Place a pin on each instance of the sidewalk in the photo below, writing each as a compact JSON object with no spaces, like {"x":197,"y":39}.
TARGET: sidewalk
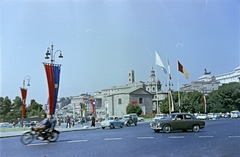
{"x":62,"y":128}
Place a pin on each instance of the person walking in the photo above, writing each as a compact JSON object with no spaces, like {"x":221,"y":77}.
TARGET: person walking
{"x":93,"y":121}
{"x":73,"y":123}
{"x":81,"y":122}
{"x":68,"y":125}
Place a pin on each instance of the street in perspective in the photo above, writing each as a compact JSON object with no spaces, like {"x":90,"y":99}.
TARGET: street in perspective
{"x":120,"y":78}
{"x":220,"y":138}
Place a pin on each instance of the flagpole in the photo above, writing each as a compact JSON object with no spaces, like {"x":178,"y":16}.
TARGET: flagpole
{"x":168,"y":85}
{"x":156,"y":90}
{"x":179,"y":105}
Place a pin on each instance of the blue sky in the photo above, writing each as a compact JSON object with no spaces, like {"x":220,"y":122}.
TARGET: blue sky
{"x":102,"y":39}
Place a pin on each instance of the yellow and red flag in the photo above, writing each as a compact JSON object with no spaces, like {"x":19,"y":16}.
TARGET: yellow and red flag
{"x":182,"y":70}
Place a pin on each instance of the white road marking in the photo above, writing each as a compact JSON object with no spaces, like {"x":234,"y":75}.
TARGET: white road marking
{"x":144,"y":137}
{"x":205,"y":136}
{"x":77,"y":141}
{"x":37,"y":144}
{"x":109,"y":139}
{"x":234,"y":136}
{"x":176,"y":137}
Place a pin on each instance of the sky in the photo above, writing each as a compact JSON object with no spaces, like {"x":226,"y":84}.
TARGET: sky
{"x":101,"y":40}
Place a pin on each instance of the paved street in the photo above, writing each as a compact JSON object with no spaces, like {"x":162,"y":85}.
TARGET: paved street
{"x":221,"y":138}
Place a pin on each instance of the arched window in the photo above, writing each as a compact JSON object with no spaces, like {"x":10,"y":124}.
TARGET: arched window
{"x":119,"y":101}
{"x":140,"y":100}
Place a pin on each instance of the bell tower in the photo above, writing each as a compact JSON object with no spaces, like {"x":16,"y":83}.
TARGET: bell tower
{"x":131,"y":78}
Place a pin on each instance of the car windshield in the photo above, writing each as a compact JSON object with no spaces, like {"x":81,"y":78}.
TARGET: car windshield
{"x":110,"y":118}
{"x":171,"y":116}
{"x":160,"y":115}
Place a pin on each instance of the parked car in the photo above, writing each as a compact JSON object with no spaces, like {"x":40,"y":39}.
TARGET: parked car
{"x":112,"y":122}
{"x":140,"y":119}
{"x":235,"y":114}
{"x":130,"y":119}
{"x":214,"y":116}
{"x":6,"y":125}
{"x":178,"y":121}
{"x":159,"y":117}
{"x":202,"y":116}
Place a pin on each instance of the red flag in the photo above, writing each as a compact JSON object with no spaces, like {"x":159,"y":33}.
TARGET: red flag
{"x":182,"y":70}
{"x":24,"y":96}
{"x":50,"y":80}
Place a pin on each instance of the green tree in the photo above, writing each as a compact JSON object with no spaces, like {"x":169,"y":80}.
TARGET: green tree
{"x":5,"y":109}
{"x":225,"y":99}
{"x":34,"y":109}
{"x":133,"y":109}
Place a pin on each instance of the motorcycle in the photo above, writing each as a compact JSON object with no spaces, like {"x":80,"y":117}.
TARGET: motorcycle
{"x":28,"y":136}
{"x":130,"y":121}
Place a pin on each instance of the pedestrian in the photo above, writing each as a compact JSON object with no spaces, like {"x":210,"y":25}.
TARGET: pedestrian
{"x":68,"y":125}
{"x":93,"y":121}
{"x":81,"y":122}
{"x":73,"y":123}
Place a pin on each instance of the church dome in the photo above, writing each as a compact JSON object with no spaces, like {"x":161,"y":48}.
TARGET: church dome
{"x":152,"y":79}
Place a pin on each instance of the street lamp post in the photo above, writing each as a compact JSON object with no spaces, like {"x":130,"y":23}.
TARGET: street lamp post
{"x":24,"y":96}
{"x":28,"y":78}
{"x":52,"y":55}
{"x":53,"y":77}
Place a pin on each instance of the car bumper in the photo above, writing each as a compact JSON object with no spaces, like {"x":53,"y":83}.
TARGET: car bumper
{"x":155,"y":126}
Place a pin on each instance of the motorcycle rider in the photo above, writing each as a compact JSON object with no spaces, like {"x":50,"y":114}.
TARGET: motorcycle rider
{"x":43,"y":125}
{"x":53,"y":122}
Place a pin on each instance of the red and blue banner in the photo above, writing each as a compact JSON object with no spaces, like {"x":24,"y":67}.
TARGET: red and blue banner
{"x":53,"y":78}
{"x":24,"y":96}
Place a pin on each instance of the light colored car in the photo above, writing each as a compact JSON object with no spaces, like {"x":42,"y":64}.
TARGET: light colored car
{"x":235,"y":114}
{"x":112,"y":122}
{"x":202,"y":116}
{"x":159,"y":117}
{"x":6,"y":125}
{"x":140,"y":119}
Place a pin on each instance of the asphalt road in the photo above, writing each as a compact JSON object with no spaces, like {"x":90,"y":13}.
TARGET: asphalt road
{"x":221,"y":138}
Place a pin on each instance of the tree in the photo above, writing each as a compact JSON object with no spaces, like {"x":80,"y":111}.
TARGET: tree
{"x":34,"y":110}
{"x":225,"y":99}
{"x":5,"y":108}
{"x":133,"y":109}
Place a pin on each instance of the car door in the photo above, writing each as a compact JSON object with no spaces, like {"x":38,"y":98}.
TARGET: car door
{"x":178,"y":123}
{"x":188,"y":121}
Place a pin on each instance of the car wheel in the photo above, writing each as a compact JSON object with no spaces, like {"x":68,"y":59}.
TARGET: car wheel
{"x":155,"y":130}
{"x":111,"y":126}
{"x":195,"y":128}
{"x":103,"y":127}
{"x":167,"y":128}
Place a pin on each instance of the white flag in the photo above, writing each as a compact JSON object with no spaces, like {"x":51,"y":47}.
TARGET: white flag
{"x":160,"y":63}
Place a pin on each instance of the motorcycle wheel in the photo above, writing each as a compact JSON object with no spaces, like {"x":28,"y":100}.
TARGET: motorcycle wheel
{"x":54,"y":137}
{"x":26,"y":138}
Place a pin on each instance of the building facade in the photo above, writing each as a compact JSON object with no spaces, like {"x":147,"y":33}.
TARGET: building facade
{"x":208,"y":83}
